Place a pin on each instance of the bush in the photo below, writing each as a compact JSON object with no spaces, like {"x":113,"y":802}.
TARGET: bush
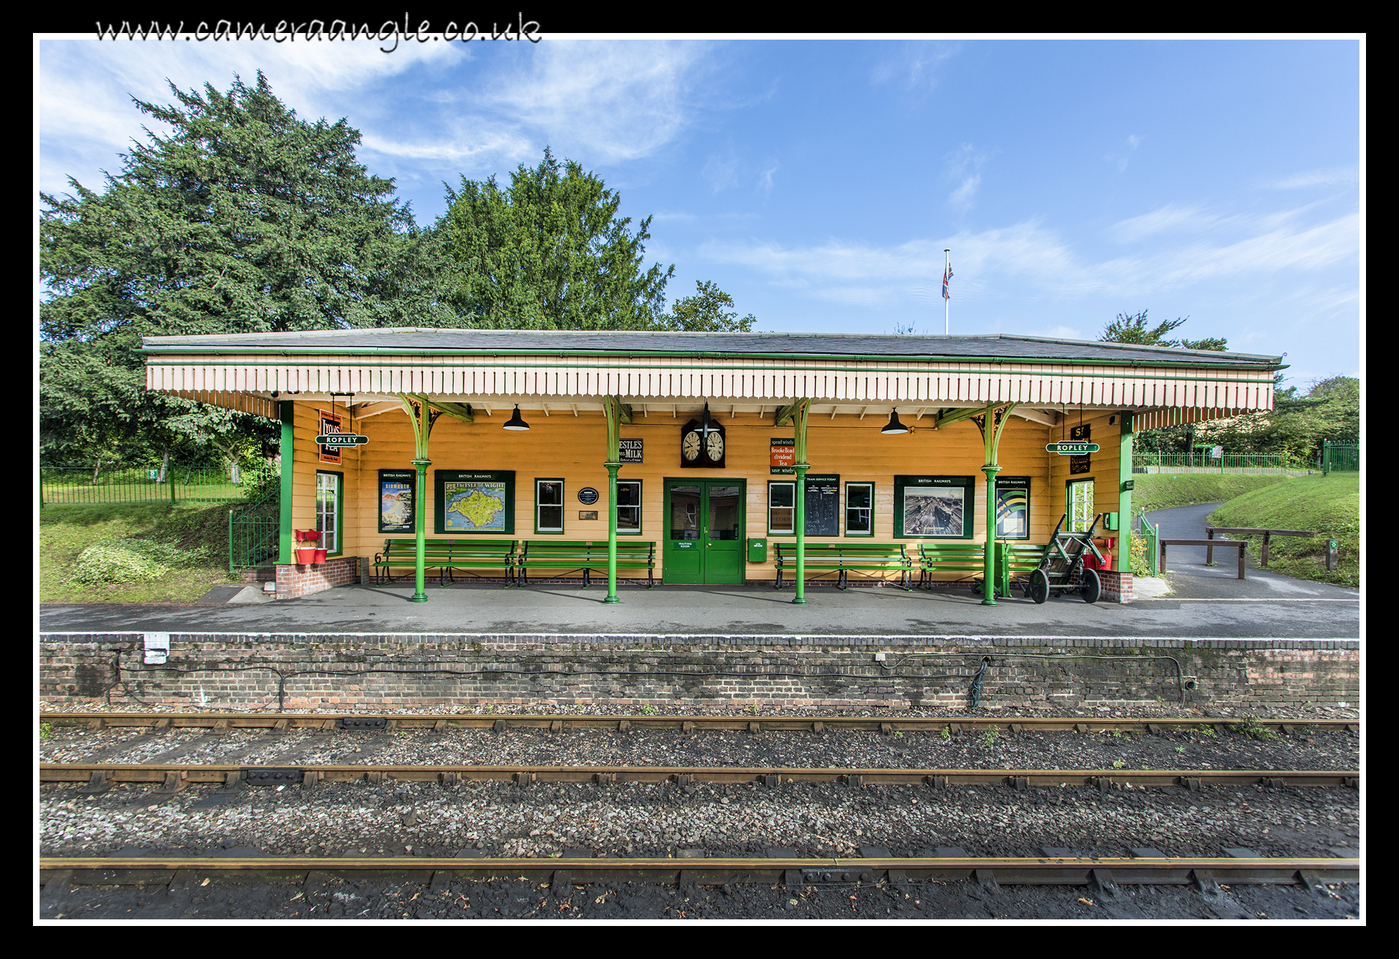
{"x":126,"y":561}
{"x":1137,"y":555}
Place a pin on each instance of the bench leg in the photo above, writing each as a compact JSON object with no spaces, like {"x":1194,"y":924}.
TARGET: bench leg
{"x":779,"y":578}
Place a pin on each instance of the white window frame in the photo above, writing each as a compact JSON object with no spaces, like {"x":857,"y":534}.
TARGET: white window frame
{"x":330,"y":535}
{"x":540,"y":506}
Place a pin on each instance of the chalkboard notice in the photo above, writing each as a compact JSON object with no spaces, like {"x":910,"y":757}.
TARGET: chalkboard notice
{"x":822,"y":505}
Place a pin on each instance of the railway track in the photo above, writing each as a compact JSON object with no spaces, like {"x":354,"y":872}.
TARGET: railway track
{"x":948,"y":865}
{"x":223,"y":721}
{"x":171,"y":777}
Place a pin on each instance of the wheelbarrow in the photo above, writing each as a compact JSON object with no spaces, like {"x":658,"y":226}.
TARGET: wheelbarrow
{"x":1063,"y":559}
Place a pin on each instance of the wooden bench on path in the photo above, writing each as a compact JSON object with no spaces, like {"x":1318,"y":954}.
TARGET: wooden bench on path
{"x":1267,"y":534}
{"x":587,"y":556}
{"x":1207,"y":543}
{"x":868,"y":559}
{"x":447,"y":555}
{"x":950,"y":558}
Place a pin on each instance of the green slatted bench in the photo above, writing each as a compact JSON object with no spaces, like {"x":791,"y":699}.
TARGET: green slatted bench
{"x":868,"y":559}
{"x":1014,"y":564}
{"x":949,"y":558}
{"x":446,"y":556}
{"x":587,"y":556}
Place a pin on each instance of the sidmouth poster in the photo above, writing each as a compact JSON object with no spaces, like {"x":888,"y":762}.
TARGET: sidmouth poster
{"x":397,"y":502}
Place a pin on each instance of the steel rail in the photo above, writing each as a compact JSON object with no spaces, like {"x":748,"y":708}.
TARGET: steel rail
{"x":173,"y":775}
{"x":1002,"y":870}
{"x":756,"y":723}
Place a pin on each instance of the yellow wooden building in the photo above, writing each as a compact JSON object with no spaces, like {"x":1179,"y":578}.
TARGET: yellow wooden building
{"x":703,"y":444}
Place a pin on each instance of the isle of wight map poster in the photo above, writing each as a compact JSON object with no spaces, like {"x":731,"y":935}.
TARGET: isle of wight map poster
{"x":475,"y":502}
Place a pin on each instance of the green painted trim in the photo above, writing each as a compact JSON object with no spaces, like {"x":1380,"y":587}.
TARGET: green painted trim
{"x":287,"y":412}
{"x":1122,"y":562}
{"x":845,"y":524}
{"x":640,"y":508}
{"x":967,"y":483}
{"x":407,"y":360}
{"x":563,"y":492}
{"x":339,"y":508}
{"x":289,"y":355}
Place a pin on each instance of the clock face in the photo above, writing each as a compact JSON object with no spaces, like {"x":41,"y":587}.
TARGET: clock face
{"x":690,"y":446}
{"x":715,"y":447}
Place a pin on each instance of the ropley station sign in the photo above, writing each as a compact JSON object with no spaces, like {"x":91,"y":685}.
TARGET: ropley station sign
{"x":1071,"y":448}
{"x":341,"y":439}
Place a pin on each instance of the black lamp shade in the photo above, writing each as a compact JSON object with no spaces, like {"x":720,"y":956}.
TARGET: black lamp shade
{"x":516,"y":423}
{"x":894,"y":426}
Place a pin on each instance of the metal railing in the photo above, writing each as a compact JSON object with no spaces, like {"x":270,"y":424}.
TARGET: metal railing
{"x":1151,"y":535}
{"x":254,"y":533}
{"x":1202,"y":460}
{"x":1340,"y":457}
{"x":64,"y":485}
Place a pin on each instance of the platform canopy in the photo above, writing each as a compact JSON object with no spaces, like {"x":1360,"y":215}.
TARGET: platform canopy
{"x":917,"y":376}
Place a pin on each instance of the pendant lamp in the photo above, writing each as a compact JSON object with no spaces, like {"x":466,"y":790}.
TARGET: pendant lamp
{"x":515,"y":422}
{"x":894,"y":426}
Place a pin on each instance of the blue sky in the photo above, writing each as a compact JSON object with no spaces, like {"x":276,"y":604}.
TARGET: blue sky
{"x":818,"y":181}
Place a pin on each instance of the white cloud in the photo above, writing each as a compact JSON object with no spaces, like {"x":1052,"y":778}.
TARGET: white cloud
{"x":1120,"y":159}
{"x":1335,"y":176}
{"x":914,"y":64}
{"x":606,"y":100}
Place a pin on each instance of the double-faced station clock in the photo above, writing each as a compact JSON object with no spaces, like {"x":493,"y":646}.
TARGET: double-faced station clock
{"x":702,"y":443}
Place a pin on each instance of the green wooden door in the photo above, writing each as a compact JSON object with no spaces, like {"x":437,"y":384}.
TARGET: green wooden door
{"x":704,"y":531}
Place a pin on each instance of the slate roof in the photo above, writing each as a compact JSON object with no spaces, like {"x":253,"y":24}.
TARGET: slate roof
{"x":986,"y":347}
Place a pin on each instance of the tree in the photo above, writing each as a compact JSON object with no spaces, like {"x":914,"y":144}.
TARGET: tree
{"x":1133,"y":329}
{"x":708,"y":311}
{"x":549,"y":252}
{"x":243,"y":218}
{"x":1297,"y":425}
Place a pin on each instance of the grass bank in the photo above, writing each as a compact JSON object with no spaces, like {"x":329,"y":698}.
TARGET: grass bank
{"x":1168,"y":490}
{"x":185,"y":549}
{"x":1329,"y":505}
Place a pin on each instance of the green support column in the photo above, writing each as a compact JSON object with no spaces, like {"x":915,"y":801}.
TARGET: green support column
{"x":612,"y":533}
{"x":991,"y":423}
{"x":420,"y":507}
{"x":422,"y":416}
{"x":287,"y":412}
{"x":616,"y":413}
{"x":797,"y":413}
{"x":988,"y":590}
{"x":802,"y":467}
{"x":1122,"y":562}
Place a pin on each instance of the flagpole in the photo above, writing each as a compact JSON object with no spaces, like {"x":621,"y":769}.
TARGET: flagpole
{"x":946,"y":300}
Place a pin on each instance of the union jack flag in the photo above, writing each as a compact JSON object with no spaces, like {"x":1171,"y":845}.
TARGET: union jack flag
{"x":945,"y":277}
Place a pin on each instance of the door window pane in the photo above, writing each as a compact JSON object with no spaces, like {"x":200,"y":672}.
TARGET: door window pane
{"x":723,"y":512}
{"x":684,"y":512}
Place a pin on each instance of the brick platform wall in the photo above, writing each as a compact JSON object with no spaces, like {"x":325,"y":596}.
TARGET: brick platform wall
{"x":1117,"y":587}
{"x":355,"y":672}
{"x":294,"y":580}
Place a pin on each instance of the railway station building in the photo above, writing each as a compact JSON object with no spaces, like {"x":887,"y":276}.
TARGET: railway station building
{"x":732,"y":456}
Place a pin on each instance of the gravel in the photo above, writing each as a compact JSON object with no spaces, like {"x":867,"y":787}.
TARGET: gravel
{"x":657,"y":820}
